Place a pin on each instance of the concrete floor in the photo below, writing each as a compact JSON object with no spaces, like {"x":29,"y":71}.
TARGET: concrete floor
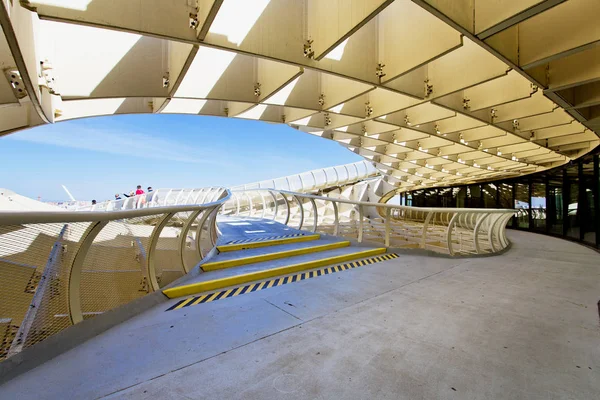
{"x":522,"y":325}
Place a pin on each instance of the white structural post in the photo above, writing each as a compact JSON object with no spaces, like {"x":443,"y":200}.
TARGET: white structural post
{"x":151,"y":271}
{"x":264,"y":204}
{"x":276,"y":206}
{"x":480,"y":221}
{"x":449,"y":232}
{"x":425,"y":224}
{"x":250,"y":204}
{"x":212,"y":228}
{"x":315,"y":216}
{"x":167,"y":197}
{"x":205,"y":214}
{"x":183,"y":238}
{"x":237,"y":204}
{"x":195,"y":201}
{"x":301,"y":212}
{"x":388,"y":211}
{"x":360,"y":223}
{"x":287,"y":206}
{"x":336,"y":218}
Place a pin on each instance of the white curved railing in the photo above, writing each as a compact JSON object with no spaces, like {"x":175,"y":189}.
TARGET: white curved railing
{"x":314,"y":180}
{"x":323,"y":178}
{"x":60,"y":267}
{"x":454,"y":231}
{"x":158,"y":198}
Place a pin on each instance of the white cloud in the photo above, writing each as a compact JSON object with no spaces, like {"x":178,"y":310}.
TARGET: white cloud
{"x":119,"y":142}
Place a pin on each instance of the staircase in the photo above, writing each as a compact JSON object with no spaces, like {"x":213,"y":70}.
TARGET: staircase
{"x":253,"y":250}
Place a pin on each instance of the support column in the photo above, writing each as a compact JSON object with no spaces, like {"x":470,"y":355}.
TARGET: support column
{"x":530,"y":211}
{"x":566,"y":189}
{"x":547,"y":186}
{"x":596,"y":193}
{"x":582,"y":206}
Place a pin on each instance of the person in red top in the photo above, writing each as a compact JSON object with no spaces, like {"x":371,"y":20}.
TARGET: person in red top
{"x":141,"y":200}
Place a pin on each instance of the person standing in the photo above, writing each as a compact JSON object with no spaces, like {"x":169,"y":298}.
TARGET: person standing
{"x":141,"y":199}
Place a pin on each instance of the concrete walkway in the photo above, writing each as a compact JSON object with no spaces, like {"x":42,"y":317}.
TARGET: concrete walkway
{"x":522,"y":325}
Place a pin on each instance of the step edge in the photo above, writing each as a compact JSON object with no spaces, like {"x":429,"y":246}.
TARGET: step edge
{"x":266,"y":243}
{"x":236,"y":262}
{"x":199,"y":287}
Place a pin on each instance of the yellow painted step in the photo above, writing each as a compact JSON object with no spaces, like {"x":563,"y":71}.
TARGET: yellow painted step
{"x":266,"y":243}
{"x":199,"y":287}
{"x":236,"y":262}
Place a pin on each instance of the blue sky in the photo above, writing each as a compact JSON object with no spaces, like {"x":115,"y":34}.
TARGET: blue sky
{"x":98,"y":157}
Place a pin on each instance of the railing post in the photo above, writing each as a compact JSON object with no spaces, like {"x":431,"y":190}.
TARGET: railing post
{"x":201,"y":223}
{"x":502,"y":231}
{"x":449,"y":233}
{"x":183,"y":236}
{"x":250,"y":205}
{"x":287,"y":205}
{"x":425,"y":223}
{"x":301,"y":212}
{"x":213,"y":226}
{"x":264,"y":204}
{"x":178,"y":196}
{"x":74,"y":287}
{"x":237,"y":204}
{"x":388,"y":212}
{"x":206,"y":193}
{"x":166,"y":197}
{"x":360,"y":223}
{"x":276,"y":206}
{"x":315,"y":217}
{"x":195,"y":201}
{"x":476,"y":232}
{"x":336,"y":219}
{"x":491,"y":232}
{"x":151,"y":271}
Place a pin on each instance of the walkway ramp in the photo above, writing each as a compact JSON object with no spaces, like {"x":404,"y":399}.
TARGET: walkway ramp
{"x":252,"y":250}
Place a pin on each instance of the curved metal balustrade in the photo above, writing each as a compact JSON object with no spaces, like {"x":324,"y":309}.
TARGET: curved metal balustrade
{"x":453,"y":231}
{"x":58,"y":268}
{"x":159,"y":198}
{"x":323,"y":178}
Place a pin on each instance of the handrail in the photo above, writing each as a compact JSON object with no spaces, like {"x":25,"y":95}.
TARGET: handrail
{"x":149,"y":200}
{"x":383,"y":205}
{"x":91,"y":262}
{"x":434,"y":228}
{"x":42,"y":217}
